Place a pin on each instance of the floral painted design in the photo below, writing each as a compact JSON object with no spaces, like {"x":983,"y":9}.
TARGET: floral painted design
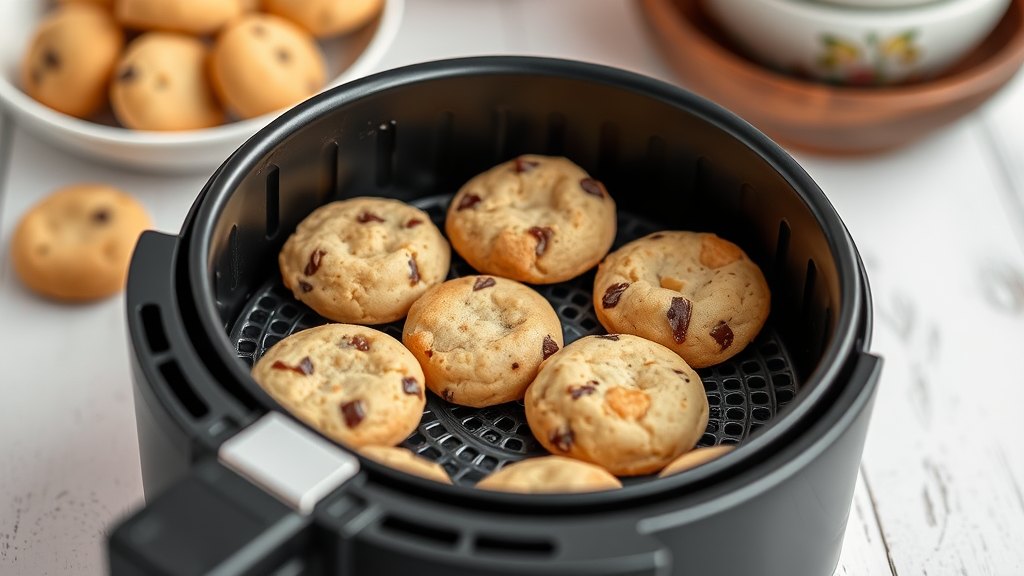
{"x":872,"y":62}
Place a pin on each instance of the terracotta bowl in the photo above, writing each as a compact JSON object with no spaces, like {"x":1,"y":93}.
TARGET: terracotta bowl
{"x":823,"y":118}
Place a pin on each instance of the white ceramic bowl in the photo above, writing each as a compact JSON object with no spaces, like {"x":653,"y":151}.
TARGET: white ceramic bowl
{"x":857,"y":46}
{"x":348,"y":58}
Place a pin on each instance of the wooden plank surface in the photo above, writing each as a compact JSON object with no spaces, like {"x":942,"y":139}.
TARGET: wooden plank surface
{"x":940,"y":224}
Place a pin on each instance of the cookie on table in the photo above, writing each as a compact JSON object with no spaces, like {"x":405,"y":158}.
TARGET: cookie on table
{"x":77,"y":243}
{"x":325,"y":18}
{"x":405,"y":461}
{"x":353,"y":384}
{"x":624,"y":403}
{"x":550,"y":475}
{"x":696,"y":293}
{"x":481,"y":339}
{"x":535,"y":219}
{"x":161,"y":84}
{"x":262,"y":63}
{"x":71,"y":57}
{"x":694,"y":458}
{"x":186,"y":16}
{"x":364,"y":260}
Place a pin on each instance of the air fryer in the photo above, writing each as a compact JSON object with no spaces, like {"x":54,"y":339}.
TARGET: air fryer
{"x":205,"y":304}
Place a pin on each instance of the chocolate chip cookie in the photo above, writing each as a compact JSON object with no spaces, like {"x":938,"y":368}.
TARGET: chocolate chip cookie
{"x":695,"y":293}
{"x":77,"y":243}
{"x":262,"y":63}
{"x":550,"y":475}
{"x":364,"y":260}
{"x":405,"y":461}
{"x":534,"y":219}
{"x":481,"y":339}
{"x":694,"y":458}
{"x":161,"y":84}
{"x":71,"y":58}
{"x":353,"y":384}
{"x":624,"y":403}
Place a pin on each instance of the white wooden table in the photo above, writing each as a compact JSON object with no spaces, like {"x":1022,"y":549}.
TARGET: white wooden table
{"x":940,"y":226}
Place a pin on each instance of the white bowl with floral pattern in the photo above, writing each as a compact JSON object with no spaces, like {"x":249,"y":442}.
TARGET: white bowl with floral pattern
{"x":857,"y":46}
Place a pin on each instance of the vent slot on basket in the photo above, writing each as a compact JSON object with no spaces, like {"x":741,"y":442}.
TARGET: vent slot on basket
{"x":153,"y":326}
{"x":493,"y":545}
{"x":420,"y":531}
{"x":273,"y":201}
{"x":387,"y":138}
{"x":556,"y":134}
{"x":182,"y":389}
{"x":329,"y":165}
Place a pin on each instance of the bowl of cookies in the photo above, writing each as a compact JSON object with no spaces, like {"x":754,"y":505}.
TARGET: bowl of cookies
{"x":535,"y":316}
{"x":177,"y":85}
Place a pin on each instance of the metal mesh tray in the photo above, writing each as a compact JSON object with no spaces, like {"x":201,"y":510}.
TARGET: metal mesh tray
{"x":744,"y":392}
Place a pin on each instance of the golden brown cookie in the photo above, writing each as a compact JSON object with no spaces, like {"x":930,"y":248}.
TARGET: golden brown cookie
{"x":77,"y":243}
{"x":696,"y":293}
{"x":71,"y":58}
{"x":324,"y":18}
{"x":353,"y":384}
{"x":624,"y":403}
{"x":534,"y":219}
{"x":481,"y":339}
{"x":694,"y":458}
{"x":161,"y":84}
{"x":405,"y":461}
{"x":185,"y":16}
{"x":262,"y":63}
{"x":364,"y":260}
{"x":550,"y":475}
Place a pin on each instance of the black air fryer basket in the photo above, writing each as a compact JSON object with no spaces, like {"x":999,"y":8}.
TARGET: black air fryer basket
{"x":204,"y":305}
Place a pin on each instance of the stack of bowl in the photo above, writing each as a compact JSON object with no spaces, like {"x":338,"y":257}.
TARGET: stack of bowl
{"x":843,"y":76}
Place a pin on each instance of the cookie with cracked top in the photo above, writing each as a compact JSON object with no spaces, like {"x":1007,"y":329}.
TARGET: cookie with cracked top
{"x":404,"y":460}
{"x":77,"y":243}
{"x":364,"y":260}
{"x":535,"y":219}
{"x":355,"y":385}
{"x":481,"y":339}
{"x":619,"y":401}
{"x":693,"y":292}
{"x":550,"y":475}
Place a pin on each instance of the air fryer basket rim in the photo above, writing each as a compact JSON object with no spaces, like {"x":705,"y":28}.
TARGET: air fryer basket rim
{"x":851,"y":330}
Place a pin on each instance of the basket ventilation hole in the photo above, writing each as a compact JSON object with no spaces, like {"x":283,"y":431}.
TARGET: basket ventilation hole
{"x":809,"y":281}
{"x":500,"y":123}
{"x":273,"y":201}
{"x":236,"y":258}
{"x":420,"y":531}
{"x":556,"y":134}
{"x":781,"y":252}
{"x":153,"y":326}
{"x":182,"y":389}
{"x":387,"y":136}
{"x":329,"y":163}
{"x":607,"y":149}
{"x":492,"y":545}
